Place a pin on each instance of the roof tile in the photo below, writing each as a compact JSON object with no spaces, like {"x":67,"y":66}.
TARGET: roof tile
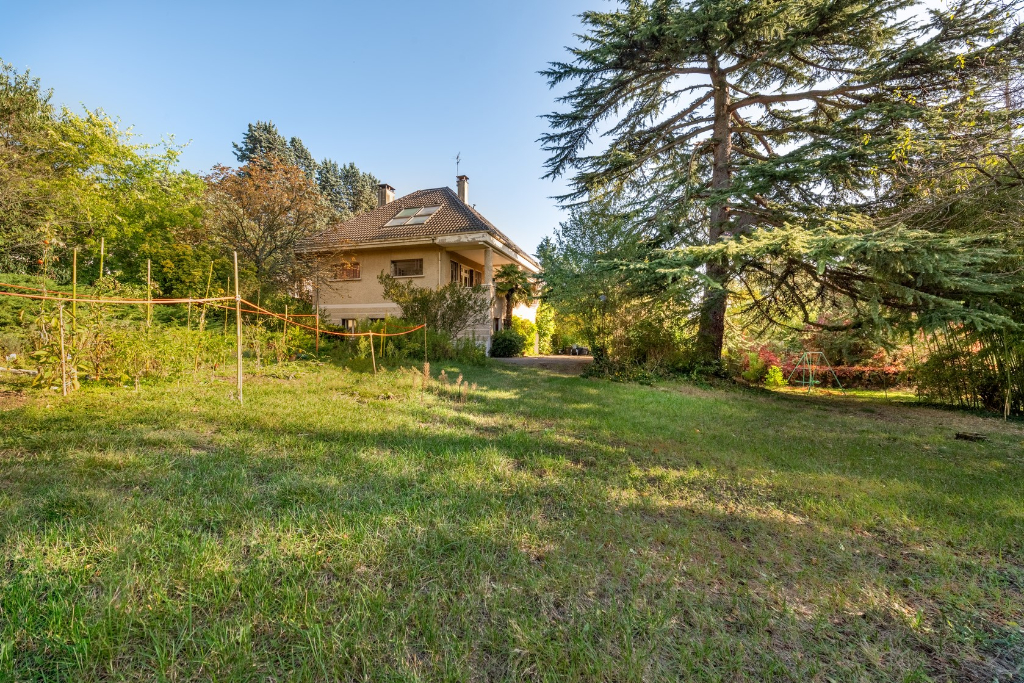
{"x":454,"y":216}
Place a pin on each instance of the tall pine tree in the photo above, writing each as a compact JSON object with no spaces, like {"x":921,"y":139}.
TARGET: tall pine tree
{"x":346,"y":189}
{"x":262,"y":139}
{"x":726,"y":118}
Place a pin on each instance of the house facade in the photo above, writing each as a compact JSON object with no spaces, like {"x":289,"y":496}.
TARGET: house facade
{"x":430,"y":237}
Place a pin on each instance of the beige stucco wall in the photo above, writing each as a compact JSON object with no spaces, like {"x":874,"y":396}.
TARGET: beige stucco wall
{"x":364,"y":298}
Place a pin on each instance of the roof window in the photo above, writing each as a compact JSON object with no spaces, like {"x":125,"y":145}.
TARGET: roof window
{"x":417,"y":215}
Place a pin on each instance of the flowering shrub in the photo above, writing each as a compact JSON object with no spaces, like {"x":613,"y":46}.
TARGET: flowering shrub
{"x":855,"y":376}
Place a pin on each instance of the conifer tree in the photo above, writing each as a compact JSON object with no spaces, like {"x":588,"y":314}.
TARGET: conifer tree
{"x":346,"y":189}
{"x":732,"y":118}
{"x":262,"y":139}
{"x":303,"y":158}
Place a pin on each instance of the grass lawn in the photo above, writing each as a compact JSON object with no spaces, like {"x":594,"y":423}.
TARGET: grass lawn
{"x":346,"y":527}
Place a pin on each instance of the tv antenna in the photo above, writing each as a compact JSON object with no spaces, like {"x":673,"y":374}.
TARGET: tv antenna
{"x":458,"y":160}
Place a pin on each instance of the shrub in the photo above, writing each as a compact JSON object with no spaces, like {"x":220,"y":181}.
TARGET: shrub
{"x":449,"y":309}
{"x":508,"y":343}
{"x":545,"y":328}
{"x":774,"y":379}
{"x":525,"y":328}
{"x":757,"y":369}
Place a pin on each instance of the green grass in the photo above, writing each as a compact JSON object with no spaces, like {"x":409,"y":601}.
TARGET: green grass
{"x":346,"y":527}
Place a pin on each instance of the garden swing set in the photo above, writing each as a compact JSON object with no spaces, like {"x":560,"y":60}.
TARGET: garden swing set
{"x":810,"y":371}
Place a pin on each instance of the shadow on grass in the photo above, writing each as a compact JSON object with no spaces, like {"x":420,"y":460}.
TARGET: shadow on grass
{"x":549,"y":527}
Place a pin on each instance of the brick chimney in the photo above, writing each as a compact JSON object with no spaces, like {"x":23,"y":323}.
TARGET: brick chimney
{"x":463,"y":188}
{"x":385,"y":194}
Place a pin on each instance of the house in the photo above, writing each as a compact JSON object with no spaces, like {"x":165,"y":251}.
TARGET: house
{"x":431,"y":237}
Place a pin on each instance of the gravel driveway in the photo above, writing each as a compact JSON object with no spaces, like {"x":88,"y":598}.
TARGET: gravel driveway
{"x":562,"y":365}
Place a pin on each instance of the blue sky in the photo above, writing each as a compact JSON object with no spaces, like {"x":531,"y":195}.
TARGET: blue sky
{"x":399,"y":87}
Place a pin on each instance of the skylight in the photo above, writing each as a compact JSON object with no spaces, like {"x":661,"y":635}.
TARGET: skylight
{"x":417,"y":215}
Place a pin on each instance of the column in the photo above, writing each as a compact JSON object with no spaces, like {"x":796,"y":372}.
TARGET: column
{"x":489,"y":284}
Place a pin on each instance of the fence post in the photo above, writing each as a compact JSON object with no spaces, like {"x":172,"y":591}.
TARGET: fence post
{"x":63,"y":355}
{"x":103,"y":246}
{"x":318,"y":333}
{"x":238,"y":331}
{"x":227,"y":287}
{"x":74,"y":295}
{"x":285,"y":341}
{"x":149,"y":293}
{"x":424,"y":341}
{"x":373,"y":356}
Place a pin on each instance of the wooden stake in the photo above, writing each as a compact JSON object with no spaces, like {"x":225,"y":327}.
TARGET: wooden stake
{"x":103,"y":247}
{"x":74,"y":295}
{"x":424,"y":341}
{"x":149,"y":293}
{"x":63,"y":354}
{"x":372,"y":355}
{"x":318,"y":333}
{"x":382,"y":339}
{"x":227,"y":287}
{"x":286,"y":330}
{"x":238,"y":330}
{"x":202,"y":316}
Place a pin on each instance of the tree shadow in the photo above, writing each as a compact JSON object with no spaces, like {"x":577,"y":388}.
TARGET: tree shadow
{"x":544,"y":528}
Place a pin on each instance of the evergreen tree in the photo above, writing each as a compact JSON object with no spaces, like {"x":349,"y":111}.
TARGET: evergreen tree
{"x":733,"y":118}
{"x":331,"y":181}
{"x":261,"y":140}
{"x":362,"y":188}
{"x":303,"y":159}
{"x":348,"y":190}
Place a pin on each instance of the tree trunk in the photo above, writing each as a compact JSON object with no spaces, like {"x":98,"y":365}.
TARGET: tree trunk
{"x":711,"y":330}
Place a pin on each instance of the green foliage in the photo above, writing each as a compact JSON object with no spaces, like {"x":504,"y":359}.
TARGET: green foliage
{"x":450,"y":309}
{"x":545,"y":328}
{"x":731,"y":119}
{"x":67,"y":179}
{"x":508,"y":343}
{"x":527,"y":329}
{"x":262,"y":140}
{"x":599,"y":307}
{"x":513,"y":283}
{"x":967,"y":369}
{"x":756,"y":371}
{"x":348,"y":190}
{"x":774,"y":379}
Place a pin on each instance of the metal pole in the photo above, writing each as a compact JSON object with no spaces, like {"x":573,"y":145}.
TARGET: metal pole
{"x":238,"y":330}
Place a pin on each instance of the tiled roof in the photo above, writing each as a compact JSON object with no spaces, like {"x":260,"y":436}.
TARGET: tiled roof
{"x":454,"y":216}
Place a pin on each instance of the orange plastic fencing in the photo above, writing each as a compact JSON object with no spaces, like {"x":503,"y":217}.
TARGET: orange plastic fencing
{"x":251,"y":308}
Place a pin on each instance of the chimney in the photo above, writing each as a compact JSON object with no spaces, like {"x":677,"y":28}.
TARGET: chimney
{"x":463,"y":188}
{"x":385,"y":194}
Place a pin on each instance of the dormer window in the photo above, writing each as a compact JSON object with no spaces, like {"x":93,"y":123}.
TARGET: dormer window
{"x":417,"y":215}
